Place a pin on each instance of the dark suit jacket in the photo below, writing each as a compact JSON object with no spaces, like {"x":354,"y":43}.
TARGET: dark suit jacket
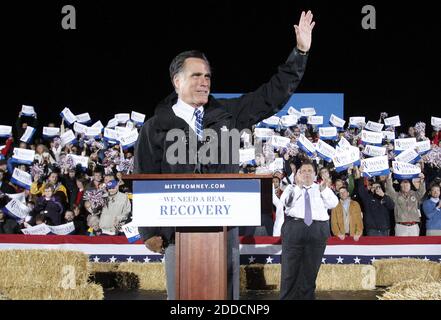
{"x":239,"y":113}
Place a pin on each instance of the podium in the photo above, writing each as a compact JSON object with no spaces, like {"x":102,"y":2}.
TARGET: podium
{"x":201,"y":207}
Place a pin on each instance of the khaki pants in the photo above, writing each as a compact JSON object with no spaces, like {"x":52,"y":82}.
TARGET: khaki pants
{"x":407,"y":231}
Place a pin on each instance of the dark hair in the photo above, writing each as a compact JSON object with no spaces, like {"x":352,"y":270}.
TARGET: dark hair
{"x":177,"y":63}
{"x":308,"y":163}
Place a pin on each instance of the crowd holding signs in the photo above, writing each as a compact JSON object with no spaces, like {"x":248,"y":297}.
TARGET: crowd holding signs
{"x":80,"y":149}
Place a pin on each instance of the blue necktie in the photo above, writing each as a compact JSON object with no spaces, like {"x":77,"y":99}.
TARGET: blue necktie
{"x":308,"y":212}
{"x":198,"y":124}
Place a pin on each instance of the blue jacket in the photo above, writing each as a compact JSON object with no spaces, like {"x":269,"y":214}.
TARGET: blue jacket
{"x":433,"y":215}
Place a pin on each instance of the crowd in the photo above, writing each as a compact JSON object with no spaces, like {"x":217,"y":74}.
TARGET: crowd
{"x":69,"y":179}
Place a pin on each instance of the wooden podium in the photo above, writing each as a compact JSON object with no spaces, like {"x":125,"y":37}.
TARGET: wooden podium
{"x":201,"y":250}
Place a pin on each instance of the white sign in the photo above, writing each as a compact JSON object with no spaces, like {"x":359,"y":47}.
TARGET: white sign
{"x":315,"y":120}
{"x":263,"y":132}
{"x":40,"y":229}
{"x":98,"y":124}
{"x":374,"y":126}
{"x":247,"y":155}
{"x":276,"y":165}
{"x":122,"y":117}
{"x":130,"y":125}
{"x":272,"y":121}
{"x":344,"y":144}
{"x":306,"y":145}
{"x":193,"y":203}
{"x":408,"y":155}
{"x":403,"y":170}
{"x":5,"y":131}
{"x":111,"y":134}
{"x":83,"y":161}
{"x":83,"y":118}
{"x":67,"y":137}
{"x":131,"y":232}
{"x":129,"y":140}
{"x":112,"y":123}
{"x":289,"y":120}
{"x":306,"y":112}
{"x":21,"y":178}
{"x":63,"y":229}
{"x":279,"y":142}
{"x":27,"y":136}
{"x":336,"y":121}
{"x":92,"y":132}
{"x":51,"y":132}
{"x":17,"y":209}
{"x":20,"y":197}
{"x":373,"y":151}
{"x":294,"y":111}
{"x":28,"y":110}
{"x":357,"y":122}
{"x":123,"y":131}
{"x":79,"y":128}
{"x":393,"y":121}
{"x":371,"y":137}
{"x":423,"y":147}
{"x":137,"y":117}
{"x":68,"y":116}
{"x":436,"y":122}
{"x":376,"y":166}
{"x":404,"y":144}
{"x":389,"y":135}
{"x":328,"y":133}
{"x":23,"y":156}
{"x":344,"y":159}
{"x":325,"y":151}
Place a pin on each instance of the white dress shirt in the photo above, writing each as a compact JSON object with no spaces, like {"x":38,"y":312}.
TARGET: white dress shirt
{"x":186,"y":112}
{"x":292,"y":203}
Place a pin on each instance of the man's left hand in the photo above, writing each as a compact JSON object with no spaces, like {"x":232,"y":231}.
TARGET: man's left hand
{"x":304,"y":31}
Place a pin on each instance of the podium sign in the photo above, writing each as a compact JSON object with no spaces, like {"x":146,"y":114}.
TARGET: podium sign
{"x":197,"y":203}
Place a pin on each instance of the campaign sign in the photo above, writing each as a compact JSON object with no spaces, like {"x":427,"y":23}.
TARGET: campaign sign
{"x":201,"y":203}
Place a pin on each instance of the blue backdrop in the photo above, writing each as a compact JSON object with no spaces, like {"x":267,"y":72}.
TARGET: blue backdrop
{"x":325,"y":104}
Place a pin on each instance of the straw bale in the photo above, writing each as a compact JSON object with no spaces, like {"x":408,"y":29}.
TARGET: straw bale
{"x":151,"y":275}
{"x":392,"y":271}
{"x":42,"y":268}
{"x":416,"y":289}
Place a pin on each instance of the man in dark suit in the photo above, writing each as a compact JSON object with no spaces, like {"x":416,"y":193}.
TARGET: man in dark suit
{"x":192,"y":109}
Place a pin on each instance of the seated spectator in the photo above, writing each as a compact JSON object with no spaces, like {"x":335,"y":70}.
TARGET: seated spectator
{"x":407,"y":202}
{"x":8,"y":225}
{"x":378,"y":207}
{"x":50,"y":206}
{"x":116,"y":211}
{"x":432,"y":210}
{"x":346,"y":217}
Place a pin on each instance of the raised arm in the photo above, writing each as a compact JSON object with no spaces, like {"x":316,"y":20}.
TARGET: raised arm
{"x":269,"y":98}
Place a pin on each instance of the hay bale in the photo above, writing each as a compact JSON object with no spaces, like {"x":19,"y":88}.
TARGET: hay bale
{"x":151,"y":275}
{"x":103,"y":267}
{"x":43,"y":268}
{"x":393,"y":271}
{"x":3,"y":297}
{"x":89,"y":291}
{"x":420,"y":289}
{"x":351,"y":277}
{"x":330,"y":277}
{"x":116,"y":280}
